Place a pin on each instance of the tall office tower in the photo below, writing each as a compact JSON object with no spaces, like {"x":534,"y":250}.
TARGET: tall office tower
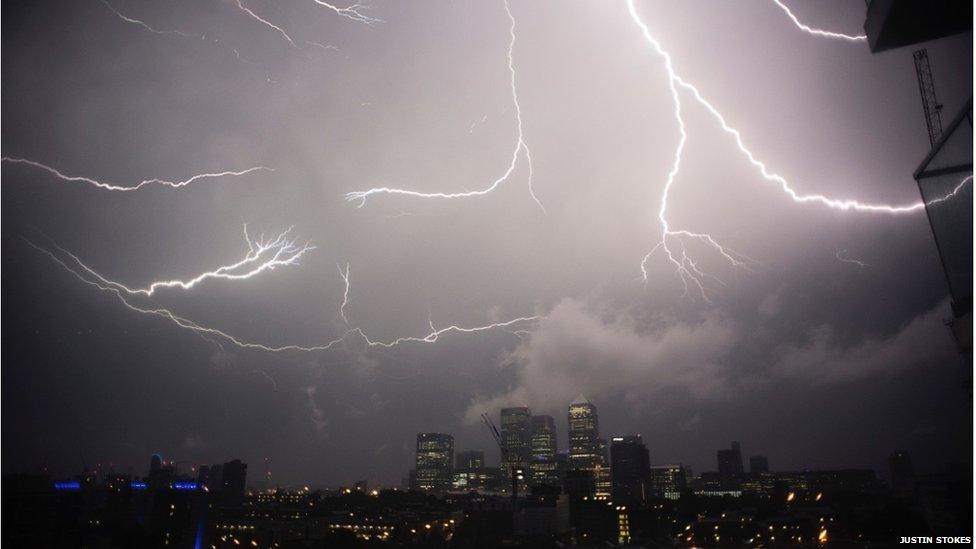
{"x":584,"y":435}
{"x":470,"y":459}
{"x":435,"y":457}
{"x":516,"y":437}
{"x":604,"y":480}
{"x":215,"y":478}
{"x":543,"y":465}
{"x":730,"y":461}
{"x":543,"y":439}
{"x":234,"y":478}
{"x":629,"y":467}
{"x":758,"y":465}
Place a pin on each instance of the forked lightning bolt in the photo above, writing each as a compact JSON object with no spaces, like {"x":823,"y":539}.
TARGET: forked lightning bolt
{"x":113,"y":187}
{"x":685,"y":267}
{"x":819,"y":32}
{"x":262,"y":255}
{"x":265,"y":22}
{"x":126,"y":298}
{"x":520,"y":148}
{"x":353,"y":12}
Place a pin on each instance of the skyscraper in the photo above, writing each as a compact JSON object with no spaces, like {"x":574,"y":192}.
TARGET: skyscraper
{"x":730,"y":461}
{"x":585,"y":452}
{"x":543,"y":465}
{"x":435,"y":457}
{"x":234,"y":478}
{"x":543,"y":439}
{"x":516,"y":437}
{"x":629,"y":467}
{"x":584,"y":435}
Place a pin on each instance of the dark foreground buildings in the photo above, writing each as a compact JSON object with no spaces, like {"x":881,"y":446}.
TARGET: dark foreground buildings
{"x":657,"y":507}
{"x":456,"y":501}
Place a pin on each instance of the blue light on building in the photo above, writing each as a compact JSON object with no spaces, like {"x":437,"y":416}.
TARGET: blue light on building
{"x":138,"y":485}
{"x":69,"y":485}
{"x":184,"y":485}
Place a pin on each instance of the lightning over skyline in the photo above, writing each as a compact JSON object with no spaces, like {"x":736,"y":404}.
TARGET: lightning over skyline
{"x":693,"y":214}
{"x":520,"y":147}
{"x":154,"y":181}
{"x":818,"y":32}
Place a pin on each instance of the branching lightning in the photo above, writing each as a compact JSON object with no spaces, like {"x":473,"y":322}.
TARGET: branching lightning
{"x":85,"y":274}
{"x":283,"y":252}
{"x":112,"y":187}
{"x":520,"y":147}
{"x":685,"y":267}
{"x":210,"y":40}
{"x":353,"y":12}
{"x":818,"y":32}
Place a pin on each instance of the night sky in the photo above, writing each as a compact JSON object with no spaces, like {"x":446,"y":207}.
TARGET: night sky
{"x":813,"y":361}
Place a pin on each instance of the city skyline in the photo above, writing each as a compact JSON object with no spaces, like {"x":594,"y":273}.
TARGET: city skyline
{"x":197,"y":168}
{"x":439,"y":451}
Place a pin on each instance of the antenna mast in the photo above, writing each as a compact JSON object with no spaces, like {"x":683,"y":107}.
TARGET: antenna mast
{"x":930,"y":104}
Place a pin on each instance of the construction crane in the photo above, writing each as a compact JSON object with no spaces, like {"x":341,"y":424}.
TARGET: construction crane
{"x":514,"y":473}
{"x":930,"y":104}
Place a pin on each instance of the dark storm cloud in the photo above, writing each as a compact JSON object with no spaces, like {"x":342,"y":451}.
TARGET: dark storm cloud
{"x":811,"y":360}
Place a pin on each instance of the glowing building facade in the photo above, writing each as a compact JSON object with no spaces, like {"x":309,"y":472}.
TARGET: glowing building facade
{"x":435,"y":458}
{"x":516,"y":439}
{"x":543,"y":464}
{"x":585,"y":451}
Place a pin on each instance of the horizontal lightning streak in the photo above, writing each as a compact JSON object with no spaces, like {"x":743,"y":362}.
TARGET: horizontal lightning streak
{"x":145,"y":25}
{"x":520,"y":147}
{"x":819,"y":32}
{"x":112,"y":187}
{"x":100,"y":282}
{"x":284,"y":252}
